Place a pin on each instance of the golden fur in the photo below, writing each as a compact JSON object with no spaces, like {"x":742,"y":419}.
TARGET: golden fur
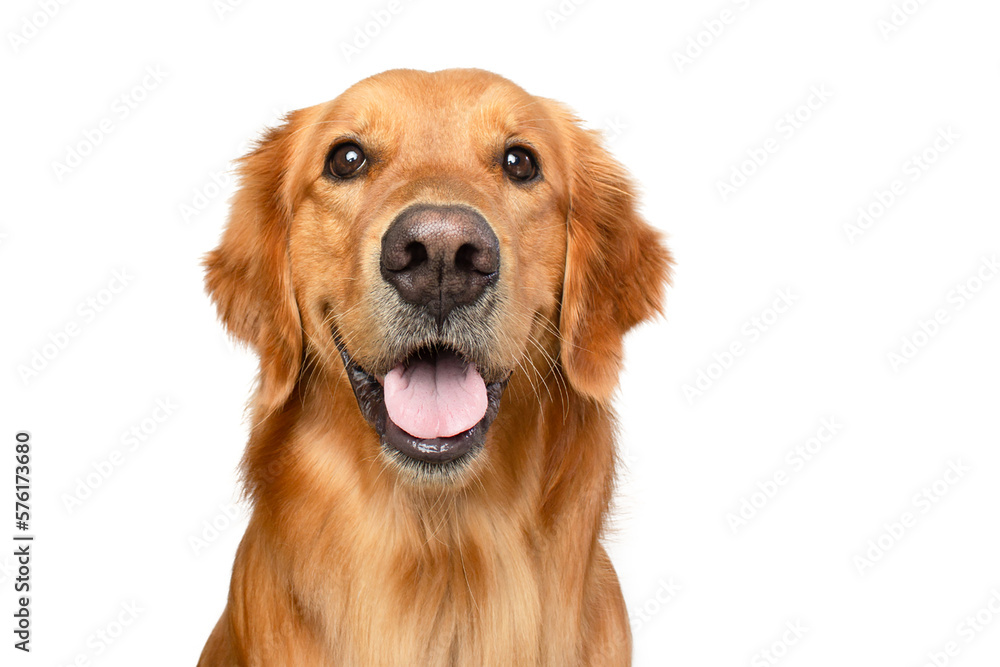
{"x":348,"y":559}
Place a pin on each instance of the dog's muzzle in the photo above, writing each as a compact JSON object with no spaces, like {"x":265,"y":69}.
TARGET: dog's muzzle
{"x":434,"y":406}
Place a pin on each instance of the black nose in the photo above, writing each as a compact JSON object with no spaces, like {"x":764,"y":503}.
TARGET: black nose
{"x":440,"y":257}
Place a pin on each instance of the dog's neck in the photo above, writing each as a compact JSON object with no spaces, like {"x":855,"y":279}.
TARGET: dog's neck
{"x":501,"y":547}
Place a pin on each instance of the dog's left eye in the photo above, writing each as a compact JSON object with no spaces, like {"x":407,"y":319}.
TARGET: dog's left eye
{"x":519,"y":164}
{"x":345,"y":160}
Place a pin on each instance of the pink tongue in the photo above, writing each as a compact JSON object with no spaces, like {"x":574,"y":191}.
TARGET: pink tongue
{"x":435,"y":399}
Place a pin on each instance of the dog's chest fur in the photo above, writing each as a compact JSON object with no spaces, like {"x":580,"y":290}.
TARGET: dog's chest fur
{"x":438,"y":586}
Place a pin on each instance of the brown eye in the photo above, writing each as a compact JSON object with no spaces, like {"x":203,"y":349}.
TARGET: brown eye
{"x":519,"y":164}
{"x":345,"y":160}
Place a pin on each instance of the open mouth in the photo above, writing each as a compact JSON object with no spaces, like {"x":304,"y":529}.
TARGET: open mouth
{"x":433,"y":407}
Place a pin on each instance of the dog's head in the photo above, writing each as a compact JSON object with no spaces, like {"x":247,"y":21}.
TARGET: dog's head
{"x":426,"y":236}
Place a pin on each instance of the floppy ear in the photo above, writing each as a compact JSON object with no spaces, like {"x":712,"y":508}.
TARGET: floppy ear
{"x":616,"y":268}
{"x":248,"y":276}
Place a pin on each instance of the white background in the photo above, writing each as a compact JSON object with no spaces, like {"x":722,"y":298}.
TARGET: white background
{"x":700,"y":592}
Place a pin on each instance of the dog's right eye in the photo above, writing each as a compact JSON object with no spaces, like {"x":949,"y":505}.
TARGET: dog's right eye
{"x":520,"y":164}
{"x":345,"y":160}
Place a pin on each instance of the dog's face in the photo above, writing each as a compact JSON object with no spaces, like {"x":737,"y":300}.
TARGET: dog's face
{"x":425,"y":247}
{"x":432,"y":234}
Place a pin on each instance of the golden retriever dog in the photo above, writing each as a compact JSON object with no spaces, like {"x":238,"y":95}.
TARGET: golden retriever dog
{"x":437,"y":270}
